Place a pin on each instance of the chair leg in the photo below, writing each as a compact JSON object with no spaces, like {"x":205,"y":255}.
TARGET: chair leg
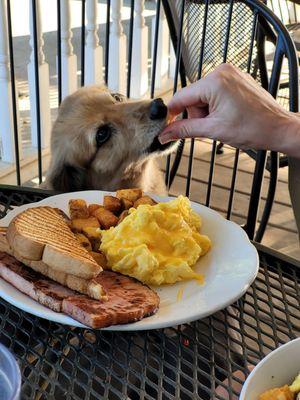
{"x":274,"y":158}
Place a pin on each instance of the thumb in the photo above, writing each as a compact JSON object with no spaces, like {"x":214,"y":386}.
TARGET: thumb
{"x":187,"y":128}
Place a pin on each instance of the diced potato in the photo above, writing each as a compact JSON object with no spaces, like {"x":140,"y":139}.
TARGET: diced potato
{"x":94,"y":237}
{"x":84,"y":241}
{"x":123,"y":215}
{"x":129,"y":194}
{"x":79,"y":223}
{"x":106,"y":218}
{"x":126,"y":204}
{"x":99,"y":258}
{"x":144,"y":200}
{"x":282,"y":393}
{"x":78,"y":209}
{"x":96,"y":209}
{"x":92,"y":208}
{"x":112,"y":204}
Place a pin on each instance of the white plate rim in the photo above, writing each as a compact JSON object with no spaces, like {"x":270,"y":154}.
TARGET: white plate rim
{"x":135,"y":326}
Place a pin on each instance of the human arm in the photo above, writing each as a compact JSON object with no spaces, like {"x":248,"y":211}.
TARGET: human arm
{"x":229,"y":106}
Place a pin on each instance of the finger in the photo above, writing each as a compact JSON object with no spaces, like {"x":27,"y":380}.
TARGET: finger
{"x":187,"y":128}
{"x":196,"y":112}
{"x":193,"y":95}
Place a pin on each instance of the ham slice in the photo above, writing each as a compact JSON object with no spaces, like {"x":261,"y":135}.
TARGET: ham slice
{"x":128,"y":300}
{"x":35,"y":285}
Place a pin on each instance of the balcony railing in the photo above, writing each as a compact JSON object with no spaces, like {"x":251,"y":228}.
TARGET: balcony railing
{"x":71,"y":44}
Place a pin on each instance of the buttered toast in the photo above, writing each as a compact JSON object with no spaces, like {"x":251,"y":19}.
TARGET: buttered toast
{"x":42,"y":234}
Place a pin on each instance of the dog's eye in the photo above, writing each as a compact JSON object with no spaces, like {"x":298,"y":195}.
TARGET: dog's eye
{"x":103,"y":134}
{"x":118,"y":97}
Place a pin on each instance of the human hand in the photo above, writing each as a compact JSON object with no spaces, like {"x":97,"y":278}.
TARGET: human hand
{"x":228,"y":105}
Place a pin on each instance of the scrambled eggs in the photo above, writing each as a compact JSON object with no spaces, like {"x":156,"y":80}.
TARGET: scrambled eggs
{"x":283,"y":393}
{"x":157,"y":244}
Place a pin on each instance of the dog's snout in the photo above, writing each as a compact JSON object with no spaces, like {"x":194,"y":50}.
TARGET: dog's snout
{"x":158,"y":109}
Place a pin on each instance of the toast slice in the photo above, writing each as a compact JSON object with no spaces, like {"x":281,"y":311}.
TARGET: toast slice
{"x":43,"y":234}
{"x":89,"y":287}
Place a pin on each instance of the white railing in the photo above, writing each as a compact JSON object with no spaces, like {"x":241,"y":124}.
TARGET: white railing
{"x":68,"y":58}
{"x":95,"y":15}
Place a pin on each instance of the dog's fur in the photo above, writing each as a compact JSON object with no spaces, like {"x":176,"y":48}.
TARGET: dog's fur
{"x":126,"y":160}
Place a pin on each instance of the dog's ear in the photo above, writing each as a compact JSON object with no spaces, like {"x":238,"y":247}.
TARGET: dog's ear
{"x":69,"y":179}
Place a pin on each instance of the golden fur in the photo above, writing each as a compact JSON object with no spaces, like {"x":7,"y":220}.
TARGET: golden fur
{"x":125,"y":160}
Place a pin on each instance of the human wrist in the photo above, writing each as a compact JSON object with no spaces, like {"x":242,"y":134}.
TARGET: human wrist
{"x":288,"y":135}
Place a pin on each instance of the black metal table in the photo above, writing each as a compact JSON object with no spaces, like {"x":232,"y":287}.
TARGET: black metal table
{"x":184,"y":362}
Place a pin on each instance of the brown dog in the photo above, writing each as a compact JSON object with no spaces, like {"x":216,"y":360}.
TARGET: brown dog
{"x":102,"y":141}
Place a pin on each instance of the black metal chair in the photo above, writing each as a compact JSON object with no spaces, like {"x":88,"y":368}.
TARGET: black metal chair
{"x":287,"y":12}
{"x":206,"y":33}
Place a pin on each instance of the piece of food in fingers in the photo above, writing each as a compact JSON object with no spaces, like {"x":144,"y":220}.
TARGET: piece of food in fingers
{"x":106,"y":218}
{"x":170,"y":118}
{"x":144,"y":200}
{"x":112,"y":204}
{"x":129,"y":194}
{"x":128,"y":301}
{"x":42,"y":234}
{"x":78,"y":224}
{"x":78,"y":209}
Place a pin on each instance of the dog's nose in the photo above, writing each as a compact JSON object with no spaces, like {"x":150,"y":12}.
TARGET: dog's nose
{"x":158,"y":109}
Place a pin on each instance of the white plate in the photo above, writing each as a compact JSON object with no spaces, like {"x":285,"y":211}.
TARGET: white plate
{"x":229,"y":268}
{"x":277,"y":369}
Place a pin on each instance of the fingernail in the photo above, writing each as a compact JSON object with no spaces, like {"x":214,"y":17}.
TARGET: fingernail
{"x":165,"y":138}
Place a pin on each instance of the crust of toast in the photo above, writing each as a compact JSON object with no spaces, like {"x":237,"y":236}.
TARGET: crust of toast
{"x":30,"y":248}
{"x":84,"y":286}
{"x":42,"y":234}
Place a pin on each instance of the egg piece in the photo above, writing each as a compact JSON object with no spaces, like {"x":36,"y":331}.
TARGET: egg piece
{"x":157,"y":244}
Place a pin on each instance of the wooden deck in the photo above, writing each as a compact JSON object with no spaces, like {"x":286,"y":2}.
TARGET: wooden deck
{"x":281,"y":233}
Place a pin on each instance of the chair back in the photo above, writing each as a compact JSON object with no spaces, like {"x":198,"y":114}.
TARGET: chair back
{"x":206,"y":33}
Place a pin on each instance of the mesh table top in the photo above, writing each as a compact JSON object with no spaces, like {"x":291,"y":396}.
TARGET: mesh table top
{"x":183,"y":362}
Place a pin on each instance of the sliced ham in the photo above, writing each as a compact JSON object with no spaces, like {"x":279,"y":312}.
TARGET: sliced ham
{"x":128,"y":299}
{"x":43,"y":290}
